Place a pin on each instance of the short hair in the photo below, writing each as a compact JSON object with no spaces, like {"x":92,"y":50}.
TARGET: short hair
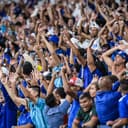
{"x":36,"y":88}
{"x":85,"y":95}
{"x":100,"y":65}
{"x":51,"y":100}
{"x":72,"y":18}
{"x":83,"y":52}
{"x":27,"y":68}
{"x":105,"y":82}
{"x":124,"y":84}
{"x":60,"y":91}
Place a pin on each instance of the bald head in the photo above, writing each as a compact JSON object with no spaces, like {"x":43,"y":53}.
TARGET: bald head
{"x":105,"y":83}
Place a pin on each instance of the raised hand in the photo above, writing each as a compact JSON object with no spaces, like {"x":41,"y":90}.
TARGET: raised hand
{"x":122,"y":47}
{"x":95,"y":79}
{"x":35,"y":77}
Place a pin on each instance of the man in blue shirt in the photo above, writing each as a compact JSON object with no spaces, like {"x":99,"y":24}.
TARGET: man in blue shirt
{"x":76,"y":85}
{"x":55,"y":112}
{"x":118,"y":65}
{"x":24,"y":120}
{"x":123,"y":107}
{"x":88,"y":75}
{"x":2,"y":110}
{"x":90,"y":69}
{"x":106,"y":101}
{"x":8,"y":111}
{"x":35,"y":104}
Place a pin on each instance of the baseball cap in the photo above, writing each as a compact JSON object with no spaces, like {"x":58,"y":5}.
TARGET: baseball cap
{"x":123,"y":55}
{"x":5,"y":71}
{"x":75,"y":81}
{"x":93,"y":24}
{"x":53,"y":38}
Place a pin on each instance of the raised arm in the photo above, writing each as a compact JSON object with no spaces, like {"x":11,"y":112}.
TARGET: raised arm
{"x":27,"y":94}
{"x":41,"y":56}
{"x":50,"y":13}
{"x":94,"y":80}
{"x":60,"y":16}
{"x":76,"y":51}
{"x":86,"y":36}
{"x":101,"y":12}
{"x":18,"y":70}
{"x":90,"y":60}
{"x":80,"y":24}
{"x":65,"y":85}
{"x":107,"y":58}
{"x":67,"y":65}
{"x":121,"y":25}
{"x":106,"y":55}
{"x":71,"y":59}
{"x":51,"y":84}
{"x":51,"y":50}
{"x":11,"y":92}
{"x":102,"y":30}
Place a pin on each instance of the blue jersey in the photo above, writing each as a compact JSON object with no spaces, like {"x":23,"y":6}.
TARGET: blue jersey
{"x":87,"y":75}
{"x":24,"y":118}
{"x":106,"y":103}
{"x":2,"y":115}
{"x":123,"y":106}
{"x":75,"y":106}
{"x":37,"y":114}
{"x":10,"y":110}
{"x":55,"y":115}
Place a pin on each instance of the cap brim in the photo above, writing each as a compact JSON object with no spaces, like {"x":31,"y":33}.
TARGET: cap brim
{"x":71,"y":84}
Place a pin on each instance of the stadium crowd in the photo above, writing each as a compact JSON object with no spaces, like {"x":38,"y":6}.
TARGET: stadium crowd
{"x":63,"y":63}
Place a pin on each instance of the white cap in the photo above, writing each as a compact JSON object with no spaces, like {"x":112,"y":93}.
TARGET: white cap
{"x":5,"y":71}
{"x":93,"y":24}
